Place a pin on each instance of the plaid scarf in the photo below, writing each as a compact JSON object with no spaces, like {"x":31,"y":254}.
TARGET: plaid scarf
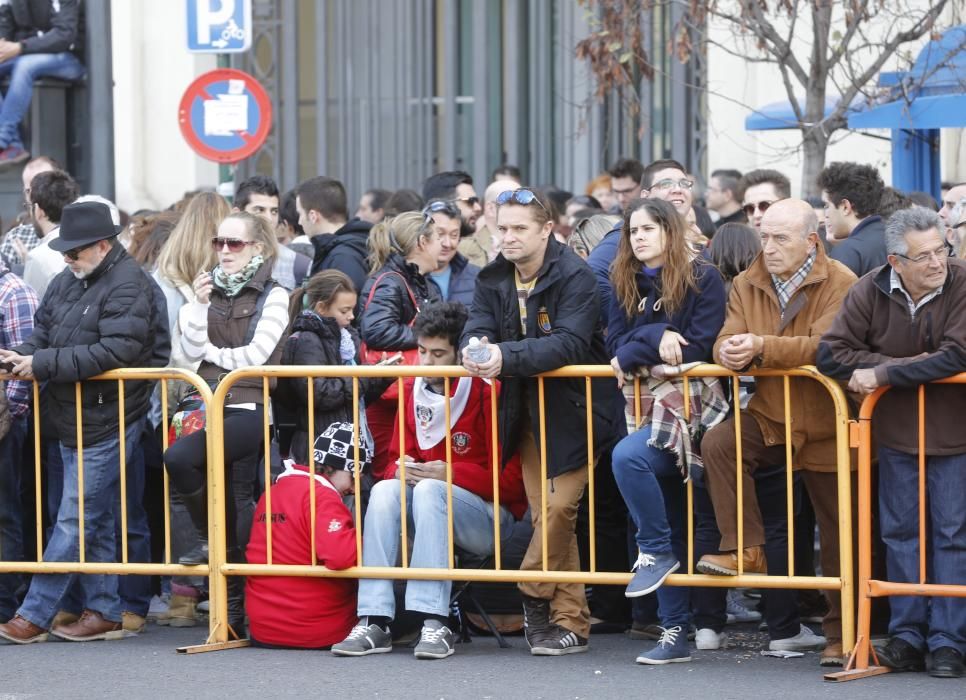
{"x":785,"y":289}
{"x":662,"y":405}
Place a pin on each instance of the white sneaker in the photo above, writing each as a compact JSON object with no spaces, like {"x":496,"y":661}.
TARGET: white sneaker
{"x":805,"y":640}
{"x":708,"y":640}
{"x":158,"y":606}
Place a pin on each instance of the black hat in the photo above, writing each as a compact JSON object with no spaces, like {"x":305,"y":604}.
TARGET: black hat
{"x":334,"y":448}
{"x":84,"y":224}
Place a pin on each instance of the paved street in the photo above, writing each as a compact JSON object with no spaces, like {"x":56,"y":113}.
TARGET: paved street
{"x":147,"y":666}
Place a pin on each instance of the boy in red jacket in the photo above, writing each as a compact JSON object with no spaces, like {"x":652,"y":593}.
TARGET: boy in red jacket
{"x":438,"y":328}
{"x":304,"y":612}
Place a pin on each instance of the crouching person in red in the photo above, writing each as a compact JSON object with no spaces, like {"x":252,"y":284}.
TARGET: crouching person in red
{"x":306,"y":612}
{"x":437,"y":329}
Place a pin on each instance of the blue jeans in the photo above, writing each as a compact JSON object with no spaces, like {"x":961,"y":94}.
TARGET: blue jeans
{"x":426,"y":508}
{"x":921,"y":621}
{"x":135,"y":591}
{"x":11,"y":512}
{"x":652,"y":486}
{"x":23,"y":70}
{"x":98,"y":591}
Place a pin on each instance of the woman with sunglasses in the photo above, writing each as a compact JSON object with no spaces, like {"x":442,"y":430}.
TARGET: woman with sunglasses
{"x":236,"y":319}
{"x":667,"y":308}
{"x":403,"y":251}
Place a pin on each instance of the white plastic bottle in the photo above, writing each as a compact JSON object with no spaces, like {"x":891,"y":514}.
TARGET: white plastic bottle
{"x":478,"y":352}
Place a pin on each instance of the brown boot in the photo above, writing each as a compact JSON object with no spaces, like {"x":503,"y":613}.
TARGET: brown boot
{"x":180,"y":612}
{"x":832,"y":655}
{"x":21,"y":631}
{"x":132,"y":623}
{"x":727,"y":564}
{"x":91,"y":626}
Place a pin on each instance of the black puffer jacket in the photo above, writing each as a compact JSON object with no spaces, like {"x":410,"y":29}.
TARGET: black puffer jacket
{"x":44,"y":27}
{"x":315,"y":341}
{"x":385,"y":323}
{"x":563,"y":328}
{"x":116,"y":317}
{"x":347,"y":250}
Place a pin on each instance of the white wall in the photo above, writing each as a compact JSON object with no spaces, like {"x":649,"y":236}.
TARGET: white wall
{"x":152,"y":68}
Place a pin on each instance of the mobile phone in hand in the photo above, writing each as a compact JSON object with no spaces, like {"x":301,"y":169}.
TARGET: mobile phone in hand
{"x":392,"y":359}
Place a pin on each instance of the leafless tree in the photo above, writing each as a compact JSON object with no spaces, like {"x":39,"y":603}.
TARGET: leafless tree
{"x":819,"y":47}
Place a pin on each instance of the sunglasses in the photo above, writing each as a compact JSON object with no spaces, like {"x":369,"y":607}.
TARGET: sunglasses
{"x":749,"y":209}
{"x":521,"y":196}
{"x":235,"y":245}
{"x":472,"y":201}
{"x":74,"y":253}
{"x":440,"y":206}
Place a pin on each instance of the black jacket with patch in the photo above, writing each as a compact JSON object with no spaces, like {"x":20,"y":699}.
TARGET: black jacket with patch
{"x":563,"y":328}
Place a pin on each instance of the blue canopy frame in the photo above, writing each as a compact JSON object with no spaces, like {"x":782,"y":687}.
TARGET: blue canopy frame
{"x":919,"y":102}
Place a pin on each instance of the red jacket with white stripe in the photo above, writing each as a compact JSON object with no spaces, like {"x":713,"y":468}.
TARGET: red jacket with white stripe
{"x":294,"y":611}
{"x":472,"y":440}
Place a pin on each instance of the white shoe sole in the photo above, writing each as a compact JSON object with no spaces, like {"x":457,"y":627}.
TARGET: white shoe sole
{"x":714,"y":646}
{"x":36,"y":639}
{"x":104,"y":636}
{"x":544,"y":651}
{"x":433,"y":655}
{"x":662,"y":662}
{"x":377,"y":650}
{"x":651,"y":589}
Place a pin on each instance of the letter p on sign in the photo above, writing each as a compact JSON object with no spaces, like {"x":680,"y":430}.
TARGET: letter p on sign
{"x":208,"y":17}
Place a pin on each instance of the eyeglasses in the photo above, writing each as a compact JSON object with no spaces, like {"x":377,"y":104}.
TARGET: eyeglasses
{"x":235,"y":245}
{"x":749,"y":209}
{"x":74,"y":253}
{"x":440,"y":206}
{"x":472,"y":201}
{"x":940,"y":254}
{"x":521,"y":196}
{"x":668,"y":183}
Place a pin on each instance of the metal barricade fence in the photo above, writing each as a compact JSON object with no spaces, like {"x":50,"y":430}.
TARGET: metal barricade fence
{"x":124,"y":566}
{"x":858,"y":665}
{"x":220,"y":568}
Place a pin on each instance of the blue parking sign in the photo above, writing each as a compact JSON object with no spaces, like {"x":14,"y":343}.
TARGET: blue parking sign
{"x":219,"y":26}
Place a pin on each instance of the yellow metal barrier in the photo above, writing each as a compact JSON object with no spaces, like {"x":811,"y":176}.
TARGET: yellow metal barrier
{"x":220,"y":568}
{"x":858,"y":665}
{"x":82,"y":566}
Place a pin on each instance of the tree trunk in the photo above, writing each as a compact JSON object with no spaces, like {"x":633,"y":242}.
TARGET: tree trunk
{"x":814,"y":144}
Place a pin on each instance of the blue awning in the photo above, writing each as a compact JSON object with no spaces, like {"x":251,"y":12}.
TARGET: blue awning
{"x":932,"y":112}
{"x":780,"y":115}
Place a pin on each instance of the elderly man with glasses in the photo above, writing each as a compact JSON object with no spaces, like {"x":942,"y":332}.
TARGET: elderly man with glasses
{"x":903,"y":326}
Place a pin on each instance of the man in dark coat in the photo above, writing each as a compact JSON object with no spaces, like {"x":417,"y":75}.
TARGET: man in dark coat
{"x":99,"y":314}
{"x":538,"y":308}
{"x":851,"y":194}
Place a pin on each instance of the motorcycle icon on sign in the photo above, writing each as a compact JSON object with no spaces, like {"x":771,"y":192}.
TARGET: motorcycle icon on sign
{"x":231,"y":31}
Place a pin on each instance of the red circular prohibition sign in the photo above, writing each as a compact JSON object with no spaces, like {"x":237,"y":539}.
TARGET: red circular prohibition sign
{"x":241,"y":144}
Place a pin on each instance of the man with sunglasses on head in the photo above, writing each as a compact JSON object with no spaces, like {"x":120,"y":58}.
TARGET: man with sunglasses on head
{"x":758,"y":190}
{"x":101,"y":313}
{"x":904,"y":325}
{"x":537,"y":309}
{"x":455,"y":276}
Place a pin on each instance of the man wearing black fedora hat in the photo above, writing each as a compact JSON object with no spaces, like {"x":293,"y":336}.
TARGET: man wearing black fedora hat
{"x":101,"y":313}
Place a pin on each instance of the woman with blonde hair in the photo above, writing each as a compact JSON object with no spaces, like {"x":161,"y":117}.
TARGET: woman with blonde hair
{"x":403,"y":251}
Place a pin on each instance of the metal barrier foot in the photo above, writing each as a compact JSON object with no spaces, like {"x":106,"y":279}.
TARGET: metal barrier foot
{"x":210,"y":645}
{"x":856,"y":673}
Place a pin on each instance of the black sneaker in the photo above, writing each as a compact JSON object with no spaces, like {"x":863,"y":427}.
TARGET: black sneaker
{"x":559,"y":641}
{"x":435,"y":641}
{"x":946,"y":663}
{"x":536,"y":619}
{"x":900,"y":656}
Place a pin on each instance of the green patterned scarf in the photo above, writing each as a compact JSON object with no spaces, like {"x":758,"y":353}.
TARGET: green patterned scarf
{"x":233,"y":283}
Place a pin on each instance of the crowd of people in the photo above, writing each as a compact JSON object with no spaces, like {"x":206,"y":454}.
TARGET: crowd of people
{"x":643,"y":272}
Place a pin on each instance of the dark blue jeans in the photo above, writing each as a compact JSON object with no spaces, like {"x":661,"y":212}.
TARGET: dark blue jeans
{"x":101,"y":476}
{"x":781,"y":605}
{"x":134,"y":591}
{"x":921,"y":621}
{"x":11,"y":513}
{"x":653,"y":488}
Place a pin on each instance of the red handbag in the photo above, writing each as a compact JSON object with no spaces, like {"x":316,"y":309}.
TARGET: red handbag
{"x":371,"y":356}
